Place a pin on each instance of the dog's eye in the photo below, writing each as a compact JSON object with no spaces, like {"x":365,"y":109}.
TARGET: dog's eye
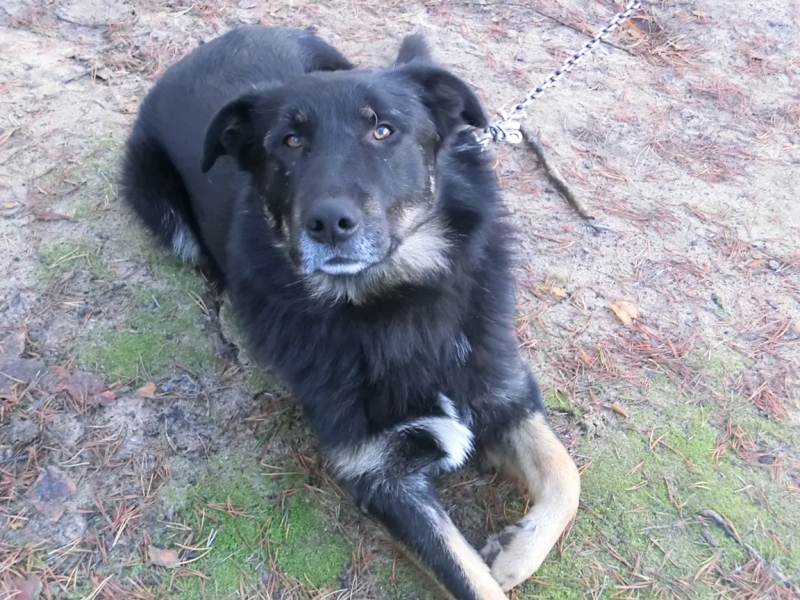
{"x":382,"y":132}
{"x":293,"y":141}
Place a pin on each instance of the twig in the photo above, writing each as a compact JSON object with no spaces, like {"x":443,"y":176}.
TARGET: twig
{"x":728,"y":529}
{"x":557,"y":20}
{"x":75,"y":76}
{"x":554,"y":175}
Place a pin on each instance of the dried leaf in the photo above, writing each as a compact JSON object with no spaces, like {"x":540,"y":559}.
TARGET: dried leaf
{"x":617,"y":408}
{"x":16,"y":372}
{"x":45,"y":215}
{"x":627,"y":312}
{"x":11,"y":209}
{"x":147,"y":390}
{"x":755,"y":263}
{"x":21,"y":589}
{"x":553,"y":290}
{"x":60,"y":372}
{"x":52,"y":490}
{"x":12,"y":345}
{"x":163,"y":558}
{"x":634,"y":28}
{"x":83,"y":386}
{"x":105,"y":398}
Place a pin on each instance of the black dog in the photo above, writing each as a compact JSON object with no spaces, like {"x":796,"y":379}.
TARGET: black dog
{"x":354,"y":220}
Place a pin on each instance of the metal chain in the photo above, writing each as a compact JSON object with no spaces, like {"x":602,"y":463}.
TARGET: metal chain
{"x":507,"y":129}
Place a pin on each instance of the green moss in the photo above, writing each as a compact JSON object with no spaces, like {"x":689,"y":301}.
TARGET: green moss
{"x":163,"y":328}
{"x":637,"y":477}
{"x":84,"y":209}
{"x":401,"y":579}
{"x":262,"y":381}
{"x":65,"y":252}
{"x":717,"y":366}
{"x":69,"y":254}
{"x":265,"y":524}
{"x":99,"y":168}
{"x":309,"y":548}
{"x":90,"y":182}
{"x":554,"y":398}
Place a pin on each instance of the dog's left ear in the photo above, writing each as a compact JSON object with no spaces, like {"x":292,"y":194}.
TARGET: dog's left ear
{"x":449,"y":99}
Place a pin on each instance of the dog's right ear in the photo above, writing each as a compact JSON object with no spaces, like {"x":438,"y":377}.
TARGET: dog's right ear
{"x":413,"y":49}
{"x":231,"y":130}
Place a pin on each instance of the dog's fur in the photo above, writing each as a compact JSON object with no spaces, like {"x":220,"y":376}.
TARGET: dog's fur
{"x":396,"y":337}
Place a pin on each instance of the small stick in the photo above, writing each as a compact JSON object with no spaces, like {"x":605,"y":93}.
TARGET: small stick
{"x":557,"y":20}
{"x":554,"y":175}
{"x":728,"y":529}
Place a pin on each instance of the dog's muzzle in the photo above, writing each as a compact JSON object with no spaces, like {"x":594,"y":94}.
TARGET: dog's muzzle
{"x":336,"y":238}
{"x":349,"y":258}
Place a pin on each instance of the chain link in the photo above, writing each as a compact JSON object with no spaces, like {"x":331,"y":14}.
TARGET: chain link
{"x":507,"y":129}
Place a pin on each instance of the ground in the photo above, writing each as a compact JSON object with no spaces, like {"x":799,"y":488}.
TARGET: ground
{"x":143,"y":456}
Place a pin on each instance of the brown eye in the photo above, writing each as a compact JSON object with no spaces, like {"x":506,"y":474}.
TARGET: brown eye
{"x":382,"y":132}
{"x":293,"y":141}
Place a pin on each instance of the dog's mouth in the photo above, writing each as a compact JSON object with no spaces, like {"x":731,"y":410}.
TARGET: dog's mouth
{"x":347,"y":260}
{"x":339,"y":265}
{"x":313,"y":258}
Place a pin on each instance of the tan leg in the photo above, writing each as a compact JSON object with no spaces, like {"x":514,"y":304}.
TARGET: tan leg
{"x":476,"y":571}
{"x":533,"y":453}
{"x":472,"y":567}
{"x":410,"y":510}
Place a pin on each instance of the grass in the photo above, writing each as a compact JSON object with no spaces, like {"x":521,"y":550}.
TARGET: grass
{"x":398,"y":578}
{"x":61,"y":256}
{"x":645,"y":477}
{"x":691,"y":441}
{"x":644,"y":484}
{"x":256,"y":526}
{"x":162,"y":328}
{"x":555,"y":399}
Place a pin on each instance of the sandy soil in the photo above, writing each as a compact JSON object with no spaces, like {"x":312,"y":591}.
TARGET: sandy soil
{"x":141,"y":456}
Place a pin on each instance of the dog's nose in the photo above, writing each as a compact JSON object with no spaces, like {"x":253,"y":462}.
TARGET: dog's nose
{"x":333,"y":221}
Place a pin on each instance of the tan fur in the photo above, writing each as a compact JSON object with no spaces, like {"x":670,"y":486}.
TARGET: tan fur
{"x":475,"y":569}
{"x":421,"y":254}
{"x":534,"y":454}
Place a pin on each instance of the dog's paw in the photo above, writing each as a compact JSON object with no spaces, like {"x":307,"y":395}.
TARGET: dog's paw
{"x":505,"y":554}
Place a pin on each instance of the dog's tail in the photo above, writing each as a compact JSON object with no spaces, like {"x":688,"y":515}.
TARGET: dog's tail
{"x":533,"y":453}
{"x":152,"y":186}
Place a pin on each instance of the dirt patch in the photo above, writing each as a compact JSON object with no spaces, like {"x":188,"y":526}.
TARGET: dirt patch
{"x":682,"y":140}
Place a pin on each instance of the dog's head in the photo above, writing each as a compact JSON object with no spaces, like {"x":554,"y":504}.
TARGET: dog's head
{"x":346,"y":165}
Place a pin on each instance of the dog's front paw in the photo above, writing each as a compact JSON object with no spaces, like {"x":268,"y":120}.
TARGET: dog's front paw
{"x":506,"y":555}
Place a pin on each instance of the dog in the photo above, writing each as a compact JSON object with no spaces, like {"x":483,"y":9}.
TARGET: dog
{"x":355,"y":222}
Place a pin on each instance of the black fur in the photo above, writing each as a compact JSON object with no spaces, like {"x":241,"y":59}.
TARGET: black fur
{"x":161,"y":172}
{"x":401,"y":362}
